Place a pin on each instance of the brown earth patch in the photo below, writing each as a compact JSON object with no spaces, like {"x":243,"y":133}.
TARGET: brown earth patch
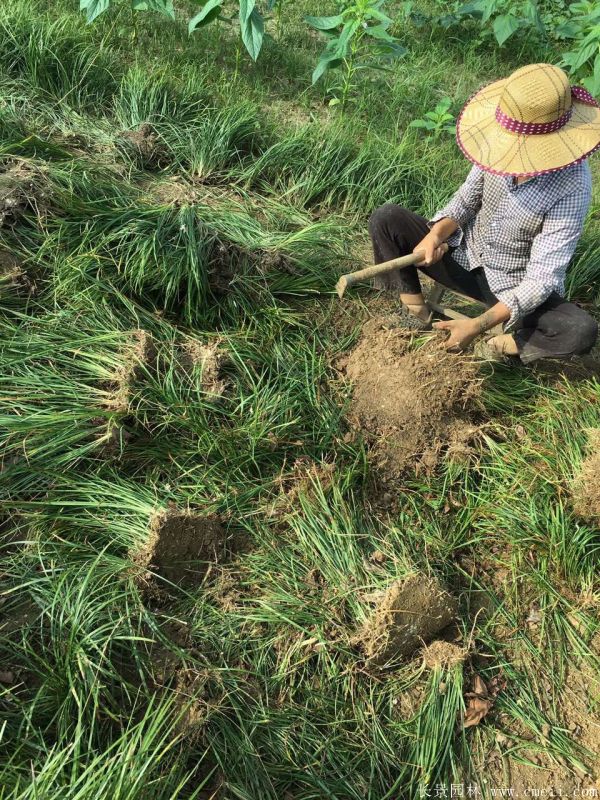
{"x":586,"y":486}
{"x":408,"y":401}
{"x":147,"y":147}
{"x":209,"y":358}
{"x":408,"y":614}
{"x":177,"y":541}
{"x":22,"y":187}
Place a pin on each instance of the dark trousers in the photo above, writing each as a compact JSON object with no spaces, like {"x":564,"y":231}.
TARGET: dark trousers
{"x":556,"y":329}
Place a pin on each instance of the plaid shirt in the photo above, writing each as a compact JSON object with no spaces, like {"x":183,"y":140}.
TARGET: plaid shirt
{"x":523,"y":236}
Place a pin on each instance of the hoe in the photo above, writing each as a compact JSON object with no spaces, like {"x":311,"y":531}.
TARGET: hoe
{"x":434,"y":299}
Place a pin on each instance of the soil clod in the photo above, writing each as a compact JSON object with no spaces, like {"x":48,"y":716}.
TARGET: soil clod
{"x":409,"y":401}
{"x":181,"y":545}
{"x":408,"y":614}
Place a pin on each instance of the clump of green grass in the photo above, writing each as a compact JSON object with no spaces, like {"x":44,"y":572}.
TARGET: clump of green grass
{"x":267,"y":694}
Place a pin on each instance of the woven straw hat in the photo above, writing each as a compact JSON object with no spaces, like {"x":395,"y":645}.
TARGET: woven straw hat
{"x":530,"y":123}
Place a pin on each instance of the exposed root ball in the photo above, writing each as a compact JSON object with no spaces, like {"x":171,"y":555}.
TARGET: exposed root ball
{"x":146,"y":145}
{"x":407,"y":401}
{"x":209,"y":358}
{"x":181,"y":545}
{"x":586,"y":487}
{"x":138,"y":354}
{"x":442,"y":655}
{"x":408,"y":614}
{"x":21,"y":187}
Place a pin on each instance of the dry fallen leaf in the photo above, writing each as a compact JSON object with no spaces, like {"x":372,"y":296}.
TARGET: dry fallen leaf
{"x":478,"y":703}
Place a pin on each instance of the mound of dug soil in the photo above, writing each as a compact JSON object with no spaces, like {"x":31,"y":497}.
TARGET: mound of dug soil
{"x":146,"y":146}
{"x":181,"y":545}
{"x":21,"y":187}
{"x":408,"y":614}
{"x":586,"y":488}
{"x":409,"y":402}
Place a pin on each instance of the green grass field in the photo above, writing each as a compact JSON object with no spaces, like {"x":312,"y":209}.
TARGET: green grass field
{"x":168,"y":203}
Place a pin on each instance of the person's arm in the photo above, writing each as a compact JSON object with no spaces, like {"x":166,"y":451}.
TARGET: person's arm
{"x":463,"y":331}
{"x":447,"y":224}
{"x":551,"y":251}
{"x":431,"y":244}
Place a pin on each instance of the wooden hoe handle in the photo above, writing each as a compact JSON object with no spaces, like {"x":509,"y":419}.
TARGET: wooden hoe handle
{"x":378,"y":269}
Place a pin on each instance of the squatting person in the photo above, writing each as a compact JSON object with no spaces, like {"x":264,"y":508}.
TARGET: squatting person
{"x":512,"y":227}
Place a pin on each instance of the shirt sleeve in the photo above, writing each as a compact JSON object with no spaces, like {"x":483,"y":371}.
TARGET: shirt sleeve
{"x":551,"y":252}
{"x":463,"y":206}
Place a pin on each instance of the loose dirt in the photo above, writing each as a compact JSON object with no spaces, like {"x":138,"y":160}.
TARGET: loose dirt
{"x":586,"y":487}
{"x":411,"y":402}
{"x":408,"y":614}
{"x":146,"y":146}
{"x":210,"y":358}
{"x":181,"y":546}
{"x":22,"y":187}
{"x":137,"y":356}
{"x":443,"y":655}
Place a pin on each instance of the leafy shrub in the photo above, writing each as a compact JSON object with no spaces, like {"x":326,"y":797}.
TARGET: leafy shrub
{"x":582,"y":28}
{"x":359,"y":39}
{"x":440,"y":120}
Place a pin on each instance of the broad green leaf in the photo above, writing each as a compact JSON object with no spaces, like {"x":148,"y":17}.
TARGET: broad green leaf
{"x":476,"y":8}
{"x":346,"y":35}
{"x":253,"y":32}
{"x":208,"y":13}
{"x":374,"y":13}
{"x":379,"y":32}
{"x":577,"y":58}
{"x":504,"y":27}
{"x":592,"y":82}
{"x":93,"y":8}
{"x":391,"y":50}
{"x":164,"y":7}
{"x":325,"y":23}
{"x":534,"y":15}
{"x":568,"y":30}
{"x":422,"y":123}
{"x":489,"y":8}
{"x":246,"y":9}
{"x":327,"y":61}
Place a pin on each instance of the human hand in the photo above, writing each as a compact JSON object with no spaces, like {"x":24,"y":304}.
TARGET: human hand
{"x":432,"y":247}
{"x":462,"y":332}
